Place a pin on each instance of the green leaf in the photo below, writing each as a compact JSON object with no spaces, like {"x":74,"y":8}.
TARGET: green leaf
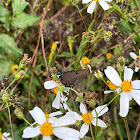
{"x":5,"y":17}
{"x":126,"y":27}
{"x":24,"y":20}
{"x":5,"y":67}
{"x":18,"y":6}
{"x":117,"y":8}
{"x":65,"y":54}
{"x":81,"y":47}
{"x":9,"y":44}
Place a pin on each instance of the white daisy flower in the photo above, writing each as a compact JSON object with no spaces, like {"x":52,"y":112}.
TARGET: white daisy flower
{"x":91,"y":7}
{"x":129,"y":89}
{"x":137,"y":60}
{"x":98,"y":74}
{"x":4,"y":136}
{"x":113,"y":88}
{"x":51,"y":125}
{"x":60,"y":99}
{"x":91,"y":117}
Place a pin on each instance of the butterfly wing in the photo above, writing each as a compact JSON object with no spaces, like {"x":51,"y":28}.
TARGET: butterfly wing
{"x":72,"y":78}
{"x":68,"y":78}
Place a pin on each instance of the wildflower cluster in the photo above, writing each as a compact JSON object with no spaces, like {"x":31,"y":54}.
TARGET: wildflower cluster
{"x":68,"y":111}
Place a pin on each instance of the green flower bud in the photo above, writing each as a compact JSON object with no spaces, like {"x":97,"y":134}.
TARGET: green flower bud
{"x":120,"y":64}
{"x":62,"y":88}
{"x":79,"y":98}
{"x":19,"y":113}
{"x":19,"y":75}
{"x":5,"y":97}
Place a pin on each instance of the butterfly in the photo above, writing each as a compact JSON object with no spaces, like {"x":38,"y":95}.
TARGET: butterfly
{"x":72,"y":78}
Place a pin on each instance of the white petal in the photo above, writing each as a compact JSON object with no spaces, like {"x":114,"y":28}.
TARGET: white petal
{"x":113,"y":76}
{"x":38,"y":115}
{"x":103,"y":4}
{"x":136,"y":84}
{"x":55,"y":113}
{"x":66,"y":133}
{"x":136,"y":69}
{"x":82,"y":108}
{"x":98,"y":111}
{"x":6,"y":134}
{"x":98,"y":122}
{"x":128,"y":73}
{"x":124,"y":104}
{"x":129,"y":96}
{"x":133,"y":55}
{"x":77,"y":116}
{"x":86,"y":1}
{"x":30,"y":132}
{"x":50,"y":84}
{"x":108,"y":91}
{"x":91,"y":7}
{"x":139,"y":51}
{"x":108,"y":0}
{"x":47,"y":138}
{"x":84,"y":129}
{"x":67,"y":119}
{"x":56,"y":102}
{"x":52,"y":119}
{"x":136,"y":95}
{"x":65,"y":106}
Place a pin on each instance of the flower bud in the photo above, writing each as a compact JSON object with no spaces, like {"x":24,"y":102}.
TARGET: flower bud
{"x":120,"y":64}
{"x":19,"y":75}
{"x":19,"y":113}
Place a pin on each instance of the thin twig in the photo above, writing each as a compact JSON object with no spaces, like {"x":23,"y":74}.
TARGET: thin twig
{"x":137,"y":130}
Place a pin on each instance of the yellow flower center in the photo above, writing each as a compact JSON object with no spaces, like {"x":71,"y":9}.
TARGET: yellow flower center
{"x":108,"y":55}
{"x":0,"y":135}
{"x":138,"y":56}
{"x":99,"y":74}
{"x":85,"y":60}
{"x":126,"y":86}
{"x":47,"y":116}
{"x":46,"y":129}
{"x":111,"y":85}
{"x":55,"y":90}
{"x":87,"y":118}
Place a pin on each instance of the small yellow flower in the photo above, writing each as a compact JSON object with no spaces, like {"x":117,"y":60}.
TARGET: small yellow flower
{"x":98,"y":74}
{"x":85,"y":61}
{"x":14,"y":68}
{"x":108,"y":55}
{"x":0,"y":135}
{"x":111,"y":85}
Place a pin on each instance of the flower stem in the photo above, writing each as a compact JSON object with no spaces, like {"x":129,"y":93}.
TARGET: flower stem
{"x":10,"y":84}
{"x":26,"y":121}
{"x":127,"y":128}
{"x":10,"y":120}
{"x":73,"y":90}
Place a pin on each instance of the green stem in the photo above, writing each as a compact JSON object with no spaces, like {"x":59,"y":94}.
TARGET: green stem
{"x":110,"y":101}
{"x":133,"y":30}
{"x":26,"y":121}
{"x":10,"y":120}
{"x":80,"y":14}
{"x":117,"y":125}
{"x":73,"y":90}
{"x":10,"y":84}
